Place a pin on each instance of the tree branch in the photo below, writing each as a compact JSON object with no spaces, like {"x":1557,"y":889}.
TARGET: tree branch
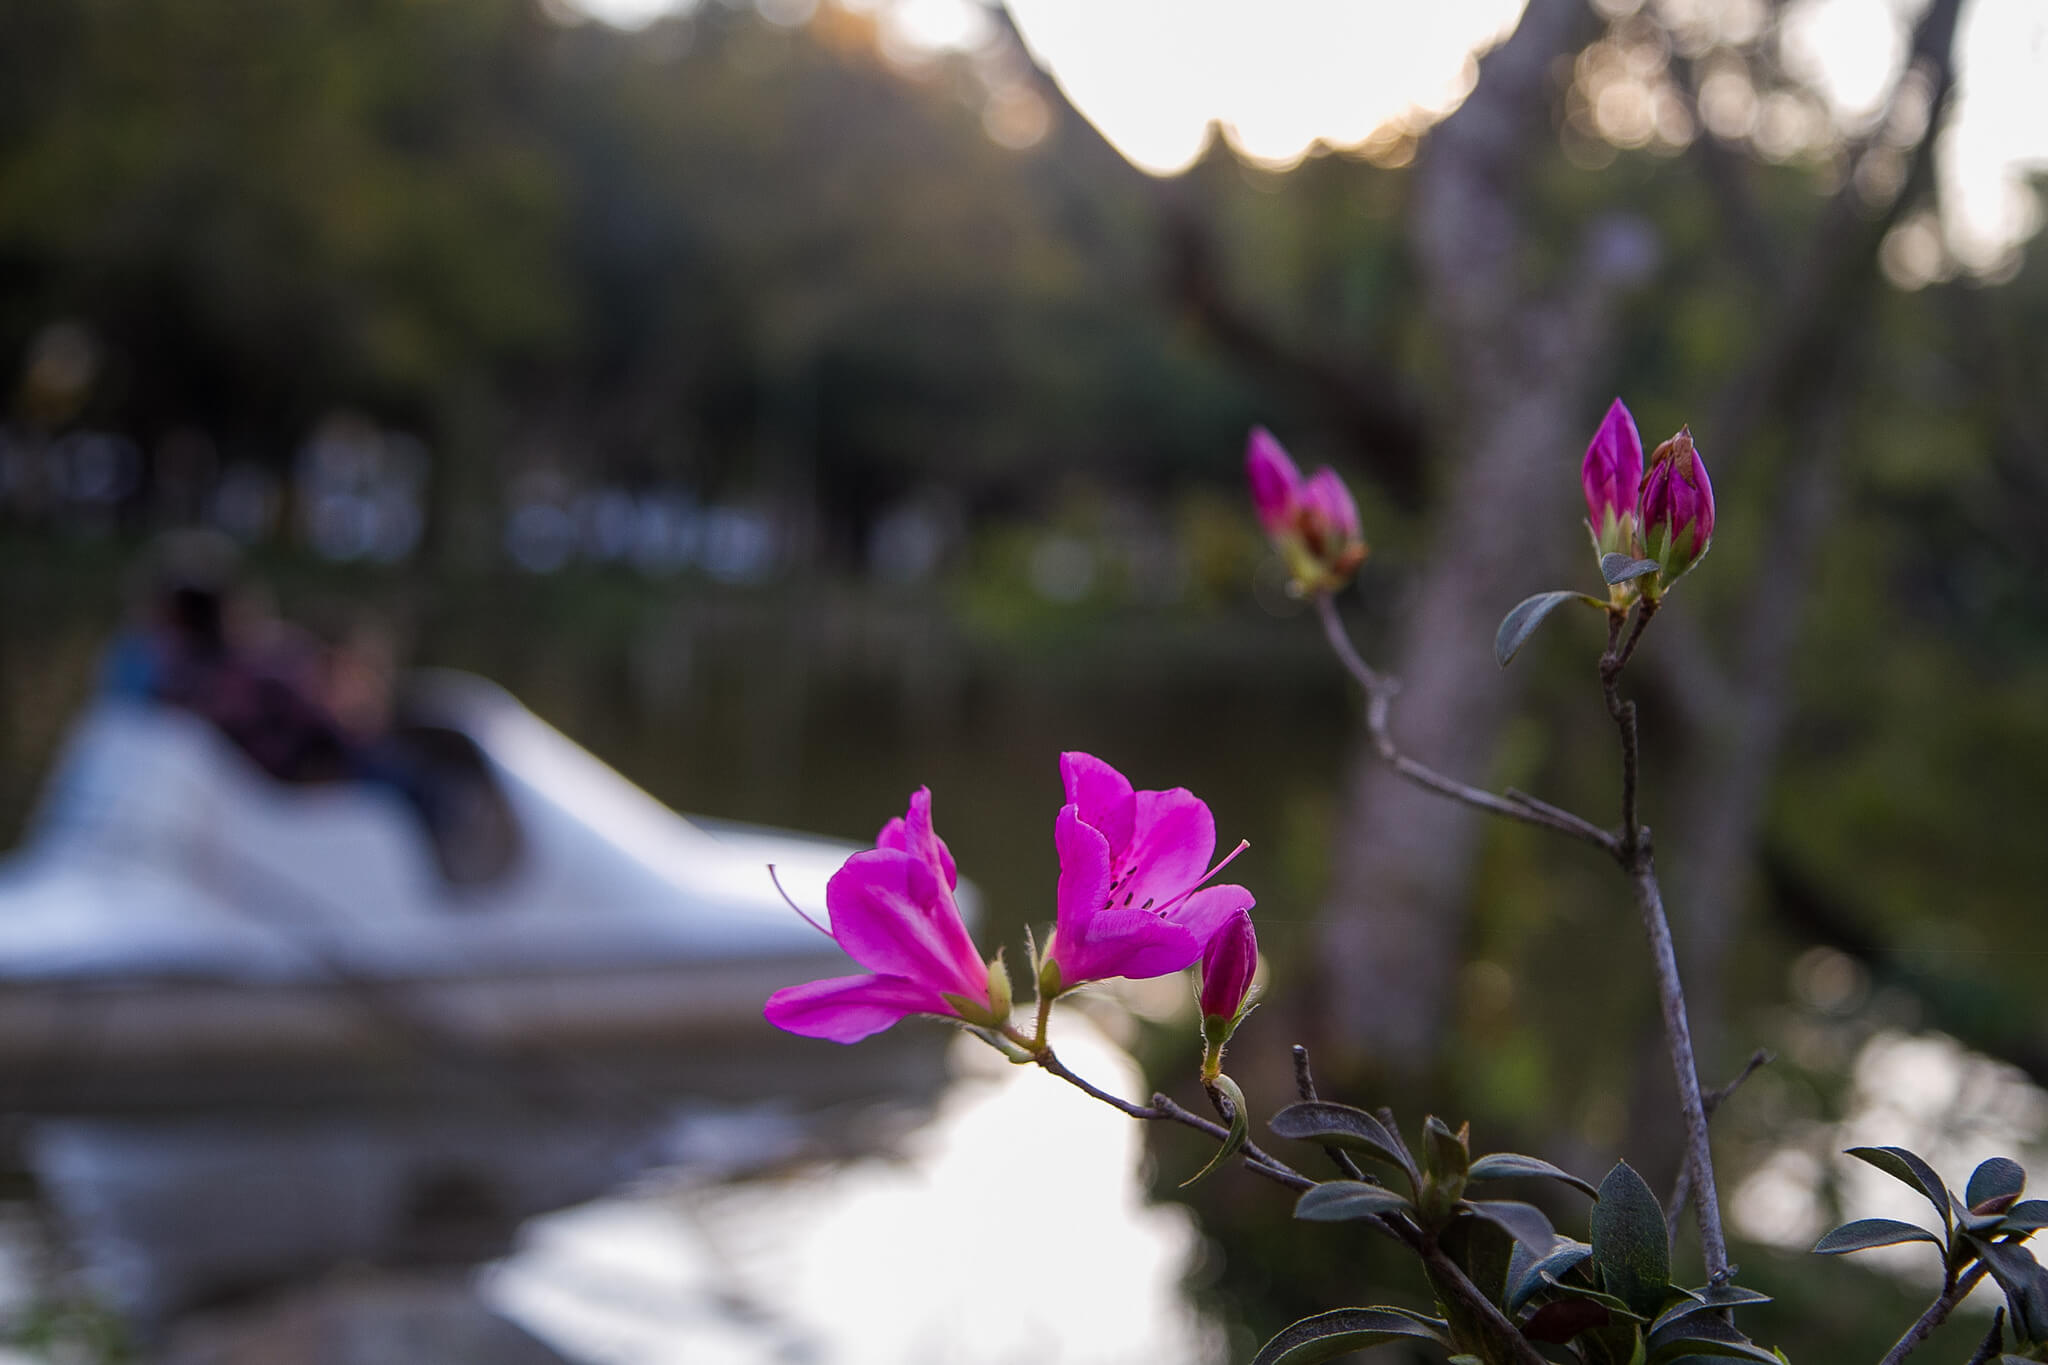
{"x":1379,"y":695}
{"x":1936,"y":1314}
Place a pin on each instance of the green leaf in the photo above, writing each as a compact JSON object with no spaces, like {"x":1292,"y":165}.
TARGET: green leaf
{"x":1523,"y":1222}
{"x":1999,"y":1178}
{"x":1518,"y":625}
{"x":1507,"y":1165}
{"x":1866,"y":1233}
{"x":1579,"y":1291}
{"x":1339,"y":1125}
{"x":2025,"y":1284}
{"x":1619,"y":568}
{"x":1329,"y":1335}
{"x":1629,"y":1242}
{"x":1907,"y":1168}
{"x":1567,"y":1257}
{"x":1338,"y":1201}
{"x":1725,"y":1297}
{"x":1678,"y":1348}
{"x":2029,"y":1215}
{"x":1240,"y":1130}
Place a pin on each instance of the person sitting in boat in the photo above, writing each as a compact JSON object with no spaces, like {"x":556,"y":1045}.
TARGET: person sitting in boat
{"x":301,"y":709}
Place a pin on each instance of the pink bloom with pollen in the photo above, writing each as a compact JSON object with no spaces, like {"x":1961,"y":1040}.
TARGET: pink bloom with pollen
{"x":1611,"y":475}
{"x":1132,"y":899}
{"x":893,"y":912}
{"x":1313,"y":522}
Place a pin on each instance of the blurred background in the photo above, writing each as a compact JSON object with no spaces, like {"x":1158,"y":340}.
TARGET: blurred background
{"x":797,"y":401}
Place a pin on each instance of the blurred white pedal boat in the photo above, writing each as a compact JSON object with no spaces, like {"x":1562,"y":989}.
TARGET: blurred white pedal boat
{"x":181,"y":932}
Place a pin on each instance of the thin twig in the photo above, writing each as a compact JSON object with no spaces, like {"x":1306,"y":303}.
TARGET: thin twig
{"x":1639,"y":861}
{"x":1678,"y":1034}
{"x":1305,"y":1086}
{"x":1164,"y":1110}
{"x":1681,"y":1189}
{"x":1936,"y":1314}
{"x":1379,"y":695}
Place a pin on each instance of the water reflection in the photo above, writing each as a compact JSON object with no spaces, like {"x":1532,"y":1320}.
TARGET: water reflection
{"x":1009,"y":1227}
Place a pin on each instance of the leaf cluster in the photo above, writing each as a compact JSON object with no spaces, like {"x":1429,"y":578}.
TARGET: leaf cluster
{"x":1607,"y":1301}
{"x":1986,"y":1226}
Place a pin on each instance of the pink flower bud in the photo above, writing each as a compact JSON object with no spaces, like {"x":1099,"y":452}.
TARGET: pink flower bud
{"x":1313,"y":522}
{"x":1274,"y":480}
{"x":1228,"y":964}
{"x":1677,"y":508}
{"x":1611,"y":475}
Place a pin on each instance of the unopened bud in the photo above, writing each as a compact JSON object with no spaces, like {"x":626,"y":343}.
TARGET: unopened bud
{"x":1313,"y":522}
{"x":1611,"y":475}
{"x":1676,"y":510}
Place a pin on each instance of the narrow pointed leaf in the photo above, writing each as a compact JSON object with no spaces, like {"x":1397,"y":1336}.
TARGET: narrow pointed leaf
{"x":1629,"y":1241}
{"x":1680,"y":1347}
{"x":1907,"y":1168}
{"x":1240,"y":1130}
{"x":2025,"y":1284}
{"x":1339,"y":1125}
{"x":1523,"y":1222}
{"x":1866,"y":1233}
{"x":1618,"y":568}
{"x":1329,"y":1335}
{"x":1999,"y":1178}
{"x":2029,"y":1215}
{"x":1518,"y":625}
{"x":1338,"y":1201}
{"x":1507,"y":1165}
{"x":1579,"y":1291}
{"x":1707,"y":1300}
{"x":1567,"y":1256}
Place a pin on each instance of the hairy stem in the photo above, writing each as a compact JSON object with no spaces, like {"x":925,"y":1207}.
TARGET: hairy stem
{"x":1936,"y":1314}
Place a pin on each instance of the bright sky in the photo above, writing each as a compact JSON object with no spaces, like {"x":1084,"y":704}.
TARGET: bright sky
{"x":1280,"y":75}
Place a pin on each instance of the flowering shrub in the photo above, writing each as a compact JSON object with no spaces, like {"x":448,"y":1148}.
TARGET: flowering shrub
{"x":1136,"y":899}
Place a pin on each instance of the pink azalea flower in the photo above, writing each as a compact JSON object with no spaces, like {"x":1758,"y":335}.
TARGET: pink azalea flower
{"x":1611,"y":474}
{"x":1132,"y":899}
{"x":893,"y":912}
{"x":1313,"y":522}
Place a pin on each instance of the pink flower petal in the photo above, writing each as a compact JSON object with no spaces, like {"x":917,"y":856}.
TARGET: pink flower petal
{"x":1228,"y":965}
{"x":1084,"y":884}
{"x":1132,"y":943}
{"x":1275,"y":481}
{"x":1173,"y":840}
{"x":894,"y":916}
{"x":846,"y":1009}
{"x":912,"y":833}
{"x":1103,"y":796}
{"x":1333,"y":507}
